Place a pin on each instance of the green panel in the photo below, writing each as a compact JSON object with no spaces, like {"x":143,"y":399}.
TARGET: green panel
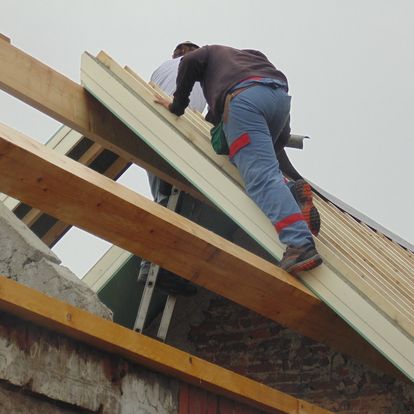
{"x":122,"y":294}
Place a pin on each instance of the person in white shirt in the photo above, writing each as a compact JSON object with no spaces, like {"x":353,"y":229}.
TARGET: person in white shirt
{"x":165,"y":77}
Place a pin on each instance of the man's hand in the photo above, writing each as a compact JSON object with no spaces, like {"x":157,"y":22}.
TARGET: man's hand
{"x":162,"y":101}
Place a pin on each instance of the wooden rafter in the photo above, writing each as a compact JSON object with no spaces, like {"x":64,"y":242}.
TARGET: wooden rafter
{"x":66,"y":101}
{"x":77,"y":195}
{"x":4,"y":38}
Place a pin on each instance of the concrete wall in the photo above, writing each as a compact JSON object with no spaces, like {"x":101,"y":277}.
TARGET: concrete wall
{"x":43,"y":372}
{"x":27,"y":260}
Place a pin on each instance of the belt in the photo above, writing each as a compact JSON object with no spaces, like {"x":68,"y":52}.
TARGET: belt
{"x":232,"y":95}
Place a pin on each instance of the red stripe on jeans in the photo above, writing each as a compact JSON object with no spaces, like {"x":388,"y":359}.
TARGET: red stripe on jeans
{"x":238,"y":144}
{"x":287,"y":221}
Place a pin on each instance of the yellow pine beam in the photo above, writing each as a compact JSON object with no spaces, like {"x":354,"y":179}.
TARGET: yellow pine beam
{"x":40,"y":86}
{"x":77,"y":195}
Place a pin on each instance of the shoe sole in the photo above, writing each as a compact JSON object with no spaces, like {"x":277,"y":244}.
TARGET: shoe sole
{"x":304,"y":196}
{"x":307,"y":264}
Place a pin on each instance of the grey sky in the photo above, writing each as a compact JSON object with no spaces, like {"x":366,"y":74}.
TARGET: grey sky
{"x":350,"y":66}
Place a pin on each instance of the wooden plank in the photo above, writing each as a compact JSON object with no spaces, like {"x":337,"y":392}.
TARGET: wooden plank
{"x":373,"y":269}
{"x":122,"y":94}
{"x":374,"y":277}
{"x":55,"y":233}
{"x":99,"y":275}
{"x":198,"y":135}
{"x":377,"y":294}
{"x":219,"y":188}
{"x":64,"y":141}
{"x":43,"y":88}
{"x":61,"y":317}
{"x":77,"y":195}
{"x":4,"y":38}
{"x":363,"y":243}
{"x":85,"y":159}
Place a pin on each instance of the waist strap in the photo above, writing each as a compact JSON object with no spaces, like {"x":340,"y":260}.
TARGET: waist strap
{"x":232,"y":95}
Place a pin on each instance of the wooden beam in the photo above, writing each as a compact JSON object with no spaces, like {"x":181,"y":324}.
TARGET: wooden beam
{"x":43,"y":88}
{"x":58,"y":229}
{"x":4,"y":38}
{"x":75,"y":194}
{"x":61,"y":317}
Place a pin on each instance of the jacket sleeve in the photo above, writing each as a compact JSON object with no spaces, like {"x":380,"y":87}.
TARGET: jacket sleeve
{"x":190,"y":71}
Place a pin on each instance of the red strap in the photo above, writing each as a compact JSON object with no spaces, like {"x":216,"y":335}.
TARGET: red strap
{"x":287,"y":221}
{"x":238,"y":144}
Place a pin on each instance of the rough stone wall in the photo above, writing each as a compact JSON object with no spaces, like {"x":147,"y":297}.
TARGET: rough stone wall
{"x":242,"y":341}
{"x":27,"y":260}
{"x":42,"y":372}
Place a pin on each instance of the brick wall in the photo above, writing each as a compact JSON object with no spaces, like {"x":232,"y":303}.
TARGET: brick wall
{"x":238,"y":339}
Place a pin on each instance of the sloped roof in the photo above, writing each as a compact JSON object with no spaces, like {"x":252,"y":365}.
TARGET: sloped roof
{"x":67,"y":102}
{"x":362,"y":268}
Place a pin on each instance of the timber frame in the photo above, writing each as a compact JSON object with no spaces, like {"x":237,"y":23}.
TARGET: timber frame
{"x":294,"y":306}
{"x":66,"y":101}
{"x":76,"y":195}
{"x":85,"y":198}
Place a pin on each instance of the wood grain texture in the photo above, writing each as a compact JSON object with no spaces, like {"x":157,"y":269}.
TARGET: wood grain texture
{"x":43,"y":88}
{"x":77,"y":195}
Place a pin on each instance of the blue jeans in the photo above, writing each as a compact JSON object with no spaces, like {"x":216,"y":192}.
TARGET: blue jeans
{"x":255,"y":116}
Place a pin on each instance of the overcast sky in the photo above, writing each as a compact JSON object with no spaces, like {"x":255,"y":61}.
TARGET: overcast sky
{"x":350,"y":66}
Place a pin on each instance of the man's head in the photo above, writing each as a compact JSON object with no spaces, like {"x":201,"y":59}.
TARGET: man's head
{"x":185,"y":47}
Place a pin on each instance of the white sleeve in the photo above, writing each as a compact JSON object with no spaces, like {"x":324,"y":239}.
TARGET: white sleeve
{"x":165,"y":77}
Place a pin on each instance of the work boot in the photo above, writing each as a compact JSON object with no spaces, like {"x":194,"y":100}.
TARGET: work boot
{"x":299,"y":259}
{"x":302,"y":192}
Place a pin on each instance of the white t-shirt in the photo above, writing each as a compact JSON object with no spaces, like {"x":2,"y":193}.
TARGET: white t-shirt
{"x":165,"y":77}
